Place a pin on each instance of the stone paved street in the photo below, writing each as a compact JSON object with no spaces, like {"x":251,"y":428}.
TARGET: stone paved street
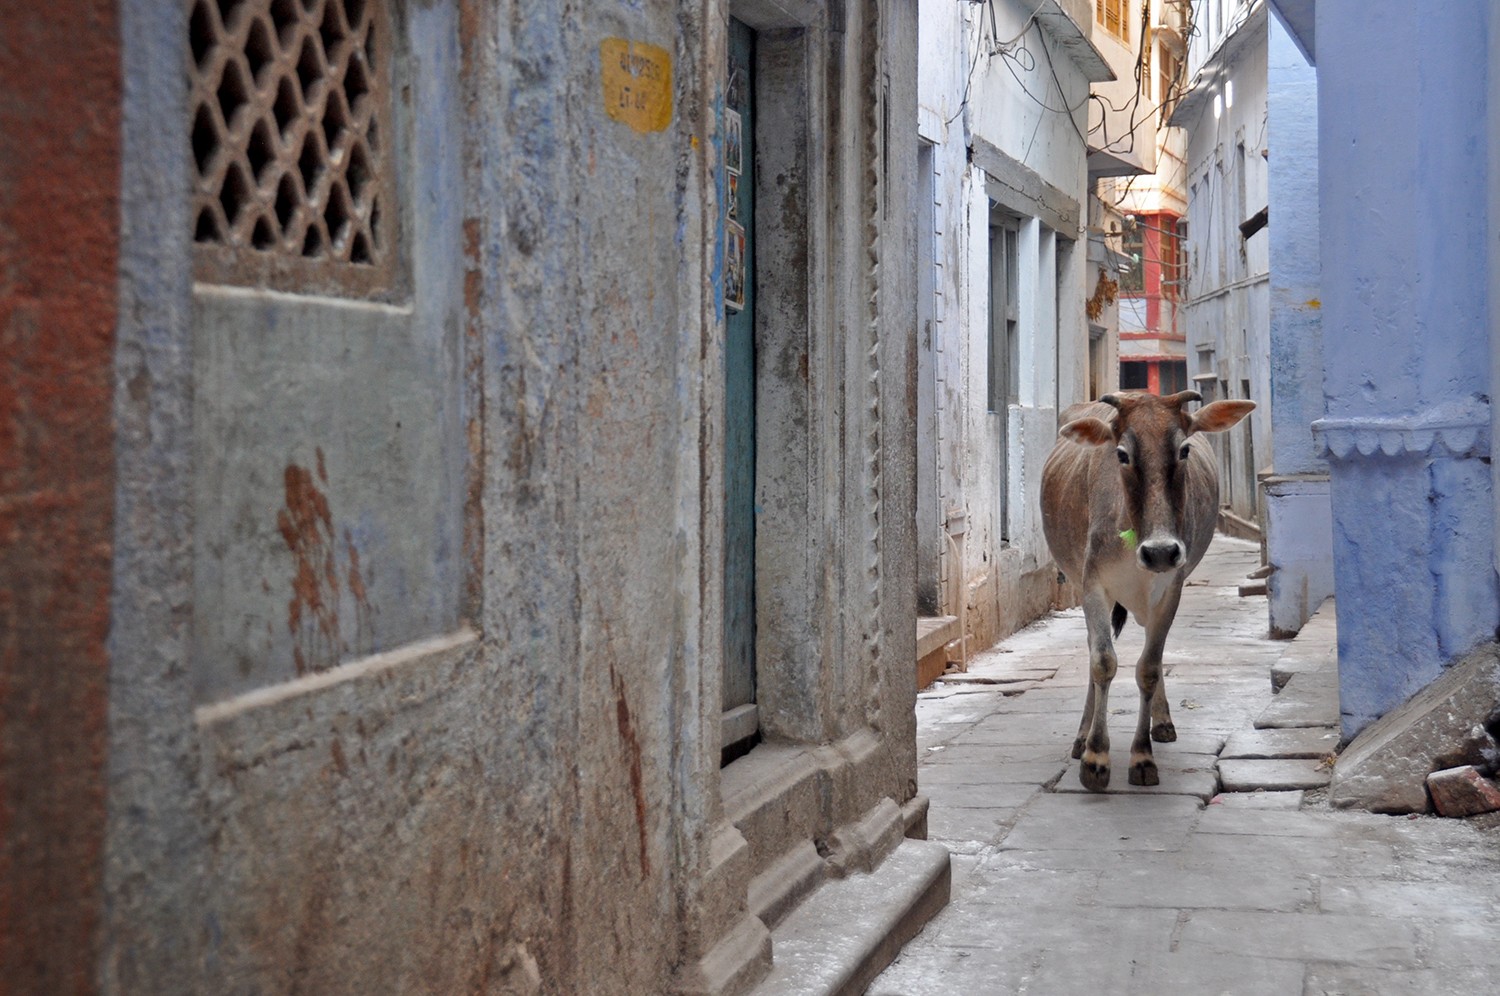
{"x":1183,"y":888}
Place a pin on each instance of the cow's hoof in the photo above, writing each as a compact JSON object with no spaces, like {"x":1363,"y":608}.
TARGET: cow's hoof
{"x":1164,"y":733}
{"x":1077,"y":748}
{"x":1144,"y":773}
{"x":1093,"y":772}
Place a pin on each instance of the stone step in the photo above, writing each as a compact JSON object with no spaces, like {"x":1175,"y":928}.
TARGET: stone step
{"x":1273,"y":775}
{"x":846,"y":933}
{"x":1310,"y":742}
{"x":1308,"y":699}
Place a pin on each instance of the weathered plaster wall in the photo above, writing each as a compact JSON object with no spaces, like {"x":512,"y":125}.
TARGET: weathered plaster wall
{"x":1405,"y":345}
{"x":941,"y":86}
{"x":1003,"y":579}
{"x":1296,"y":269}
{"x":1226,"y":314}
{"x":1299,"y":520}
{"x":155,"y":876}
{"x":496,"y":797}
{"x":1122,"y":122}
{"x":59,"y":252}
{"x":497,"y":767}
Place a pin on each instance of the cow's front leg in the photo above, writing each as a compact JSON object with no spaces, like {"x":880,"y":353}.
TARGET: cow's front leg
{"x":1093,"y":767}
{"x":1162,"y":730}
{"x":1148,"y":679}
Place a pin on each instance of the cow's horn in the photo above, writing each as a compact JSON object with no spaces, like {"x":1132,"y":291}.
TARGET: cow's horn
{"x":1183,"y":397}
{"x":1113,"y":400}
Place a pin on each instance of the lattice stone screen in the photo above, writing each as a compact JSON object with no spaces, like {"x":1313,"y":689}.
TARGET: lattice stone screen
{"x":290,"y":140}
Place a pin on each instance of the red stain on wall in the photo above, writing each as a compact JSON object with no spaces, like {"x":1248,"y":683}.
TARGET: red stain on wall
{"x":306,"y":525}
{"x":633,"y":755}
{"x":59,"y":246}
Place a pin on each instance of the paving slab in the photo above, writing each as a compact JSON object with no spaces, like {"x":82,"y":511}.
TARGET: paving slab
{"x":1166,"y":881}
{"x":1277,"y":775}
{"x":1000,"y":880}
{"x":1102,"y":822}
{"x":969,"y":831}
{"x":942,"y":798}
{"x":1466,"y":943}
{"x":1358,"y":940}
{"x":1315,"y":742}
{"x":1029,"y":729}
{"x":1250,"y":855}
{"x":1260,"y":799}
{"x":1264,"y":823}
{"x":1357,"y":980}
{"x":966,"y":751}
{"x":1034,"y":773}
{"x":1410,"y":900}
{"x":1190,"y":775}
{"x":1182,"y":973}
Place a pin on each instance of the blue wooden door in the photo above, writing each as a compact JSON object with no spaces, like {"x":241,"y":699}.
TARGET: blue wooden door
{"x":739,"y":395}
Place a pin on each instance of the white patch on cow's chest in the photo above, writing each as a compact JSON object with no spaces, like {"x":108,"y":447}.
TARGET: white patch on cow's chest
{"x":1138,"y":590}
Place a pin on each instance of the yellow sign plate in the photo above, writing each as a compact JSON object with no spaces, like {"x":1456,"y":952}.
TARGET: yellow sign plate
{"x":637,"y":79}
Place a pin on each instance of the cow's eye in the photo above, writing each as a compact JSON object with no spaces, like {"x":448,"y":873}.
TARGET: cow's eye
{"x":1123,"y":456}
{"x":1182,"y":454}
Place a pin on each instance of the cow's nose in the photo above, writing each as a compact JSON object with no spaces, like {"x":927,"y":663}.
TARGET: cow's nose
{"x":1160,"y":555}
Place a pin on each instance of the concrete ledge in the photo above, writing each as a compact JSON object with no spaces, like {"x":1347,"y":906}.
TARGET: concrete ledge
{"x":734,"y":965}
{"x":1232,"y":525}
{"x":846,"y":934}
{"x":775,"y":892}
{"x":935,"y":633}
{"x":914,"y":817}
{"x":1308,"y":699}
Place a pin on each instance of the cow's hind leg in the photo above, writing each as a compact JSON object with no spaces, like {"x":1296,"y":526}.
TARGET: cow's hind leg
{"x":1148,"y":679}
{"x":1092,"y":746}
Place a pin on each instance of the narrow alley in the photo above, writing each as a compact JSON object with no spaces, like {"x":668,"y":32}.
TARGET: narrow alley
{"x":553,"y":499}
{"x":1223,"y":879}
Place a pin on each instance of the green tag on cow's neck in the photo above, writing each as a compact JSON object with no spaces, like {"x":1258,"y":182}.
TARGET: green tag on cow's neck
{"x":1128,"y":536}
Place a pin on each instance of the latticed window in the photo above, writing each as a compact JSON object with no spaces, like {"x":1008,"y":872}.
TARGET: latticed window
{"x":290,"y":143}
{"x":1114,"y":16}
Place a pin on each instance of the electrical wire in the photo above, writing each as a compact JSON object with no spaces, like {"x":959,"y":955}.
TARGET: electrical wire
{"x":969,"y":80}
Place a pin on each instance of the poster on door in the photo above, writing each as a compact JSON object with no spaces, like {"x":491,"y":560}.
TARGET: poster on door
{"x":734,"y":266}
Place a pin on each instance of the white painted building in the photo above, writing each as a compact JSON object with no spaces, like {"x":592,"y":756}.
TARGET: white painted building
{"x":1139,"y":163}
{"x":1003,"y":334}
{"x":1225,"y":302}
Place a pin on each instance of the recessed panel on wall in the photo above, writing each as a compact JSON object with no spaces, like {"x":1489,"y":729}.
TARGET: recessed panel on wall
{"x":329,"y":454}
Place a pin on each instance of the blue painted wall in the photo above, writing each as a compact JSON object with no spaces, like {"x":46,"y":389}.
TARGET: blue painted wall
{"x":1298,"y":517}
{"x":1296,"y":271}
{"x":1402,"y":150}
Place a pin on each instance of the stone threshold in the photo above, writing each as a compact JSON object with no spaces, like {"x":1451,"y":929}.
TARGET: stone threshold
{"x":848,"y":931}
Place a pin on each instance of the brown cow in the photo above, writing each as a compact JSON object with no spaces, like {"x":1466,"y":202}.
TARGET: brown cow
{"x":1129,"y":503}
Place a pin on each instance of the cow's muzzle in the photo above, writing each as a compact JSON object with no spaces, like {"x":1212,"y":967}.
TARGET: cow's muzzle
{"x":1161,"y":555}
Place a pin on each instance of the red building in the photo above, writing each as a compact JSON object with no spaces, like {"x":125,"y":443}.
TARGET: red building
{"x":1153,"y":345}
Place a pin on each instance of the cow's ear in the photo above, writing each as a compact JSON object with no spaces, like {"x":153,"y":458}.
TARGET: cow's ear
{"x":1220,"y":415}
{"x":1088,"y":431}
